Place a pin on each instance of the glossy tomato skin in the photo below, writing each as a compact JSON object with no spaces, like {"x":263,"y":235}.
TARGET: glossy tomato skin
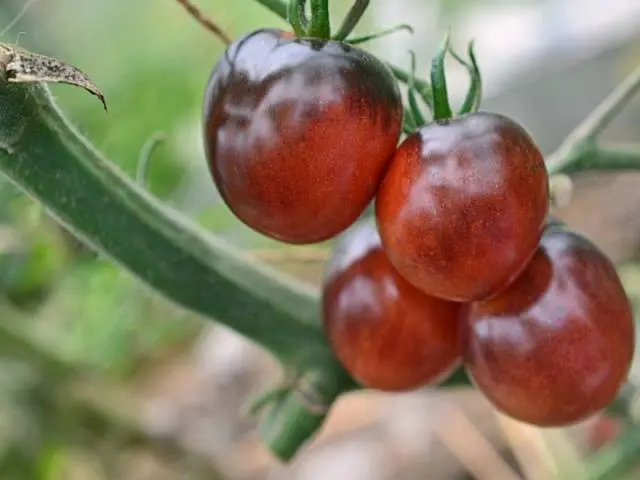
{"x":555,"y":346}
{"x":463,"y":205}
{"x":299,"y":132}
{"x":387,"y":334}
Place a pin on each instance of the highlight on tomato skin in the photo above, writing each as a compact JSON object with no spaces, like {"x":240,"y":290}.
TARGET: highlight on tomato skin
{"x":299,"y":132}
{"x":463,"y":205}
{"x":556,"y":346}
{"x":387,"y":334}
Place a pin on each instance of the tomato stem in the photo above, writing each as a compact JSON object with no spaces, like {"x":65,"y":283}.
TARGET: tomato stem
{"x":260,"y":304}
{"x":418,"y":118}
{"x":581,"y":141}
{"x":294,"y":416}
{"x":594,"y":157}
{"x":198,"y":15}
{"x":474,"y":94}
{"x":320,"y":25}
{"x":297,"y":17}
{"x":383,"y":33}
{"x":280,"y":9}
{"x":351,"y":19}
{"x":441,"y":107}
{"x":266,"y":399}
{"x":422,"y":87}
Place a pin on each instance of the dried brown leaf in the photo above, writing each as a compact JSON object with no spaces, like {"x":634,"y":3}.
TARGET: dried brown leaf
{"x":22,"y":66}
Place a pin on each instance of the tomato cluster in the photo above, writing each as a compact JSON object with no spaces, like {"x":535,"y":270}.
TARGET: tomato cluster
{"x":461,"y":264}
{"x":551,"y":348}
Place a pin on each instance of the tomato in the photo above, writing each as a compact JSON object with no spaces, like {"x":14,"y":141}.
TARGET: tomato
{"x":299,"y":132}
{"x":557,"y":344}
{"x":463,"y":205}
{"x":387,"y":334}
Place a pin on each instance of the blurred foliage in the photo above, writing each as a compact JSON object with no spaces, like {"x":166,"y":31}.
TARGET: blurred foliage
{"x":103,"y":319}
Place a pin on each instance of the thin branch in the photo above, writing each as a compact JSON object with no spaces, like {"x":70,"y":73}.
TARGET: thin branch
{"x":563,"y":158}
{"x":421,"y":86}
{"x":205,"y":21}
{"x":320,"y":23}
{"x":602,"y":116}
{"x":594,"y":157}
{"x":377,"y":35}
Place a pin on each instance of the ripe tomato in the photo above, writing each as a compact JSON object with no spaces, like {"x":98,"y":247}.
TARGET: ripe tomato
{"x":298,"y":133}
{"x":463,"y":205}
{"x":557,"y":344}
{"x":387,"y":334}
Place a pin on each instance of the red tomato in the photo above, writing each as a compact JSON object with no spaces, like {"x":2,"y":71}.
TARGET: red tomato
{"x":463,"y":206}
{"x":387,"y":334}
{"x":556,"y":345}
{"x":299,"y":132}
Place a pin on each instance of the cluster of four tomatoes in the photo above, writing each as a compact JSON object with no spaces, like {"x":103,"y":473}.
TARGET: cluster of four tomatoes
{"x":462,"y":264}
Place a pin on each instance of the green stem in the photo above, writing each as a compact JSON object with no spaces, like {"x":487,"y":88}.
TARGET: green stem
{"x":421,"y":86}
{"x":383,"y":33}
{"x":297,"y":415}
{"x":416,"y":113}
{"x":48,"y":159}
{"x":280,"y":8}
{"x":43,"y":155}
{"x":320,"y":25}
{"x":351,"y":20}
{"x":287,"y":415}
{"x":585,"y":134}
{"x":474,"y":94}
{"x":596,"y":158}
{"x":441,"y":107}
{"x":297,"y":17}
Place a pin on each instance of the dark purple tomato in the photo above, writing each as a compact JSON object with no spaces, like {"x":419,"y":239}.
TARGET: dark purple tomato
{"x":463,"y":205}
{"x":556,"y":345}
{"x":387,"y":334}
{"x":299,"y":132}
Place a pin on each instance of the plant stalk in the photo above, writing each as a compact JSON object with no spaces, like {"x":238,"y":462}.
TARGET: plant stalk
{"x":320,"y":24}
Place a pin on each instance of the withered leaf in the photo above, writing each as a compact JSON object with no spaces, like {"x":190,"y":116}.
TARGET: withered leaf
{"x":22,"y":66}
